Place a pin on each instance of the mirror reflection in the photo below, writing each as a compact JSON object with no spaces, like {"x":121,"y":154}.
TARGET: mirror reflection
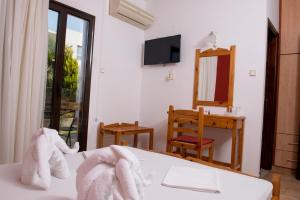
{"x":214,"y":74}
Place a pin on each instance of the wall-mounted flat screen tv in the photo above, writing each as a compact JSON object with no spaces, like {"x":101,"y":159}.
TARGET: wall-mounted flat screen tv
{"x":162,"y":51}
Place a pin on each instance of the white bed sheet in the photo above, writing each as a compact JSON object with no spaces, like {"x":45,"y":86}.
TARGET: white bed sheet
{"x":233,"y":186}
{"x":12,"y":189}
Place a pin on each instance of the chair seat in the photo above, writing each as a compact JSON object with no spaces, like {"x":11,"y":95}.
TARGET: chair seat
{"x":193,"y":140}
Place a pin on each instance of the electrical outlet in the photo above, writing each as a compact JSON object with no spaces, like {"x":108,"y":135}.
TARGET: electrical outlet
{"x":170,"y":76}
{"x":252,"y":72}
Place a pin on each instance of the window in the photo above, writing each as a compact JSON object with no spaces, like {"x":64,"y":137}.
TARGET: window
{"x":79,"y":52}
{"x":69,"y":72}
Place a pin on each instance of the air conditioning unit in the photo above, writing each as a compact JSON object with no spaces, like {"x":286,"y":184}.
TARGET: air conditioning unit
{"x":130,"y":13}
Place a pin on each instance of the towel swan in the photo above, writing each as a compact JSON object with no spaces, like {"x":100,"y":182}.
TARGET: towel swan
{"x":45,"y":157}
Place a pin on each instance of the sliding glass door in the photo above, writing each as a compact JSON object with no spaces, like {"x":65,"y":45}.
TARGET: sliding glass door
{"x":70,"y":36}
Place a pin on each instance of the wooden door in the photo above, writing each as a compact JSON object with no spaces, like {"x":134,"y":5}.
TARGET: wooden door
{"x":270,"y":99}
{"x":70,"y":42}
{"x":288,"y":115}
{"x":290,"y":28}
{"x":298,"y":166}
{"x":288,"y":112}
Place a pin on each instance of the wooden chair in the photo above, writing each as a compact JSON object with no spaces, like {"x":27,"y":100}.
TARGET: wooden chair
{"x":189,"y":122}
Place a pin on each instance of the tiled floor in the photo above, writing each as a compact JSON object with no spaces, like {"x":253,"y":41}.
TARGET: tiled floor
{"x":290,"y":186}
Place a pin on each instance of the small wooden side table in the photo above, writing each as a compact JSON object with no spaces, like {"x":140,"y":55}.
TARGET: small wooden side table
{"x":119,"y":130}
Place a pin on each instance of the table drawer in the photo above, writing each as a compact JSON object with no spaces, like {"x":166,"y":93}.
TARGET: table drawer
{"x":286,"y":159}
{"x":287,"y":142}
{"x":218,"y":123}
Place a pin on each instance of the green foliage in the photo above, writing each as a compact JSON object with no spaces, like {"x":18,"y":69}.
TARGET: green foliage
{"x":70,"y":70}
{"x":51,"y":59}
{"x":70,"y":74}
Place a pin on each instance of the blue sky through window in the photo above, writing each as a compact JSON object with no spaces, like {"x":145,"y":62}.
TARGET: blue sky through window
{"x":73,"y":23}
{"x":52,"y":20}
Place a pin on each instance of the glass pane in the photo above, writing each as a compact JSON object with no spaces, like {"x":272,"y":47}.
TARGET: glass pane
{"x":52,"y":31}
{"x":73,"y":78}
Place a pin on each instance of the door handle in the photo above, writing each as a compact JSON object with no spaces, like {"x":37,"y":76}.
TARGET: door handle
{"x":291,"y":161}
{"x":293,"y":143}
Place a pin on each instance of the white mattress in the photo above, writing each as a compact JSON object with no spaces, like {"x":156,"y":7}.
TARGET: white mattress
{"x":233,"y":186}
{"x":12,"y":189}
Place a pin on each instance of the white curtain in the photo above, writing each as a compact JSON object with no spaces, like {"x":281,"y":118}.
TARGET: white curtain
{"x":207,"y":78}
{"x":23,"y":64}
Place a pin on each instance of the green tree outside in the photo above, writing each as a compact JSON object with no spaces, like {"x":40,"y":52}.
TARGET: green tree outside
{"x":70,"y":73}
{"x":70,"y":70}
{"x":51,"y":58}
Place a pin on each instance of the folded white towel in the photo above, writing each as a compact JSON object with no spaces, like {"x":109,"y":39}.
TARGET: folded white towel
{"x":111,"y":173}
{"x":202,"y":180}
{"x":44,"y":157}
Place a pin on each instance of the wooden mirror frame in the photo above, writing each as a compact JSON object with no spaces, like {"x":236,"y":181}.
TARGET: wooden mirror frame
{"x":210,"y":53}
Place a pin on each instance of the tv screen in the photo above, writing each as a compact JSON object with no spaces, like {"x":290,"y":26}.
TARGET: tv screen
{"x":162,"y":50}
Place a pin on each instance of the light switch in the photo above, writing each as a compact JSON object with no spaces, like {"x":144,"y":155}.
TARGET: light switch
{"x":252,"y":72}
{"x":101,"y":70}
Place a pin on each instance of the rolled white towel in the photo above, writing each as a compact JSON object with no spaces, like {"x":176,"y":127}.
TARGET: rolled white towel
{"x":100,"y":191}
{"x":127,"y":180}
{"x":120,"y":172}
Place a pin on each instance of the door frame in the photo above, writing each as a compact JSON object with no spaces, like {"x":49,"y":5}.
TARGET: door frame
{"x":269,"y":137}
{"x":63,"y":11}
{"x":298,"y":163}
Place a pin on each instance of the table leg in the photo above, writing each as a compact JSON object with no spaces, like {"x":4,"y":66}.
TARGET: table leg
{"x":233,"y":148}
{"x":135,"y":142}
{"x":241,"y":145}
{"x":151,"y":137}
{"x":117,"y":138}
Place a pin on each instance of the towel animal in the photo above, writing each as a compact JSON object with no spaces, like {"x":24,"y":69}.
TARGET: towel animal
{"x":45,"y":157}
{"x":111,"y":173}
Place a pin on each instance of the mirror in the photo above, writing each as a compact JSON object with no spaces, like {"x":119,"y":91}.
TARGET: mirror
{"x":214,"y":78}
{"x":213,"y":84}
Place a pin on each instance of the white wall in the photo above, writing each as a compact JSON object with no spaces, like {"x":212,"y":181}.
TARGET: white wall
{"x":115,"y":95}
{"x":243,"y":23}
{"x":273,"y":12}
{"x":125,"y":92}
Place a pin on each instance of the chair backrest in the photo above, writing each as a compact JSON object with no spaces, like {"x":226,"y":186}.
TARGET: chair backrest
{"x":186,"y":121}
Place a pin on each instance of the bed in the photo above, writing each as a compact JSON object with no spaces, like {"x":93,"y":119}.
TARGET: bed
{"x":233,"y":186}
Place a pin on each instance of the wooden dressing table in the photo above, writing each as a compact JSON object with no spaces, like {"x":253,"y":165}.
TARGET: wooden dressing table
{"x":214,"y":86}
{"x":236,"y":124}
